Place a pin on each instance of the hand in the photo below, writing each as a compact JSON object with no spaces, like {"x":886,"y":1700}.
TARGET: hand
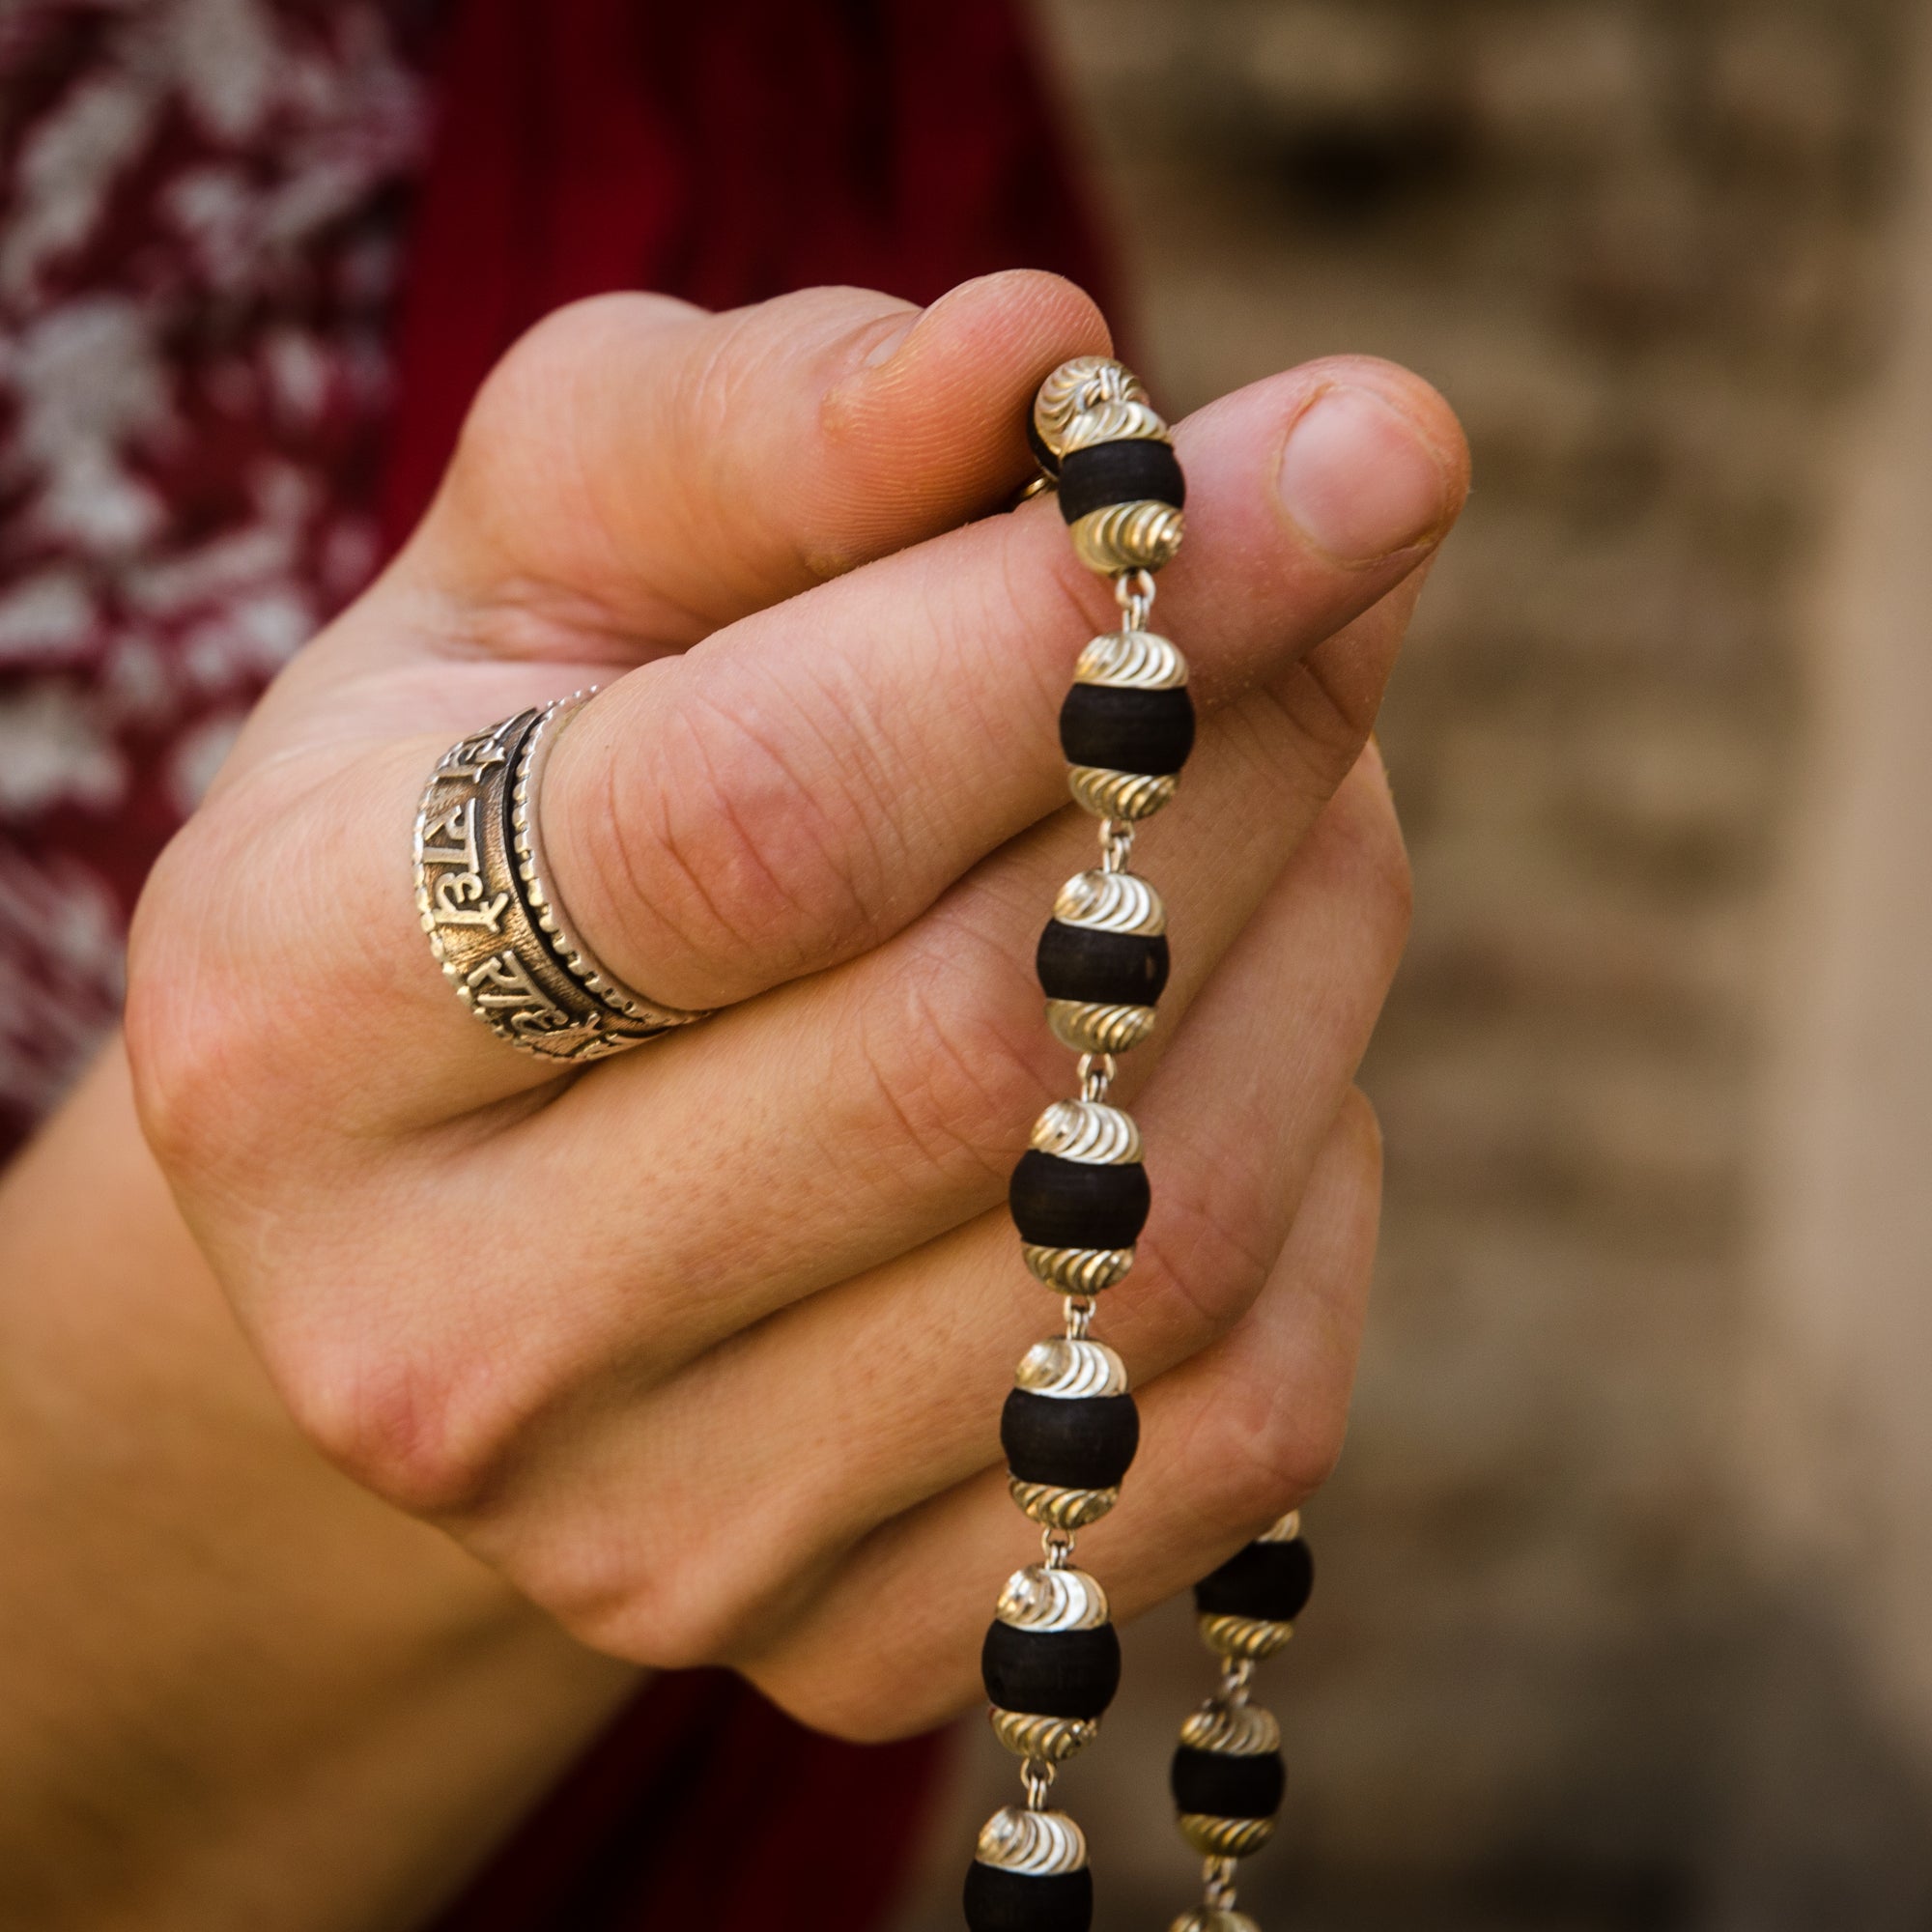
{"x":704,"y":1347}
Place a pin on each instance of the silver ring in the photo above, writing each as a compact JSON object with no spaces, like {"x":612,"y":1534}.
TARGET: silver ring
{"x":495,"y":923}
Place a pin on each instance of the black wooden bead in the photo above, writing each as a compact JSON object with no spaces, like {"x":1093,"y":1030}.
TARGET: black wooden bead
{"x":1078,"y":1204}
{"x":1122,"y":729}
{"x":1218,"y":1784}
{"x":1051,"y":1673}
{"x":1010,"y":1902}
{"x":1074,"y":1443}
{"x":1113,"y":969}
{"x":1136,"y":470}
{"x":1270,"y":1581}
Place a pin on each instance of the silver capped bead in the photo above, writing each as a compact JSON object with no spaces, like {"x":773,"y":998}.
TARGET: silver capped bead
{"x":1053,"y":1740}
{"x":1236,"y":1730}
{"x":1127,"y":420}
{"x":1078,"y":386}
{"x":1088,"y":1027}
{"x":1225,"y":1838}
{"x":1109,"y":794}
{"x":1141,"y":535}
{"x":1089,"y":1131}
{"x":1101,"y":901}
{"x":1077,"y":1270}
{"x":1038,"y":1843}
{"x":1132,"y":660}
{"x":1040,"y":1599}
{"x":1071,"y":1367}
{"x":1055,"y":1508}
{"x":1247,"y":1639}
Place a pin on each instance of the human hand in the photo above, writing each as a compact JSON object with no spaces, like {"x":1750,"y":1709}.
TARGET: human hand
{"x":704,"y":1346}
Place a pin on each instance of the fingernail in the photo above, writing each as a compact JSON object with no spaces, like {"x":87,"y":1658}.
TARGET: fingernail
{"x":1359,"y":478}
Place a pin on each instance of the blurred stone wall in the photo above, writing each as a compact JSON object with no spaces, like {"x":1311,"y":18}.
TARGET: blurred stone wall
{"x":1553,"y":1677}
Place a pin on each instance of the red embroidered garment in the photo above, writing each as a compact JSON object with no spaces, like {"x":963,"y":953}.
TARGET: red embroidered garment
{"x":203,"y":383}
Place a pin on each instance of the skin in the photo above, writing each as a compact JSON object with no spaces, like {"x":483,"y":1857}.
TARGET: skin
{"x":698,"y":1354}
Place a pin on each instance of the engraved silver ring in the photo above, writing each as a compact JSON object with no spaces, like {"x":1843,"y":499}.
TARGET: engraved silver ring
{"x":493,"y":915}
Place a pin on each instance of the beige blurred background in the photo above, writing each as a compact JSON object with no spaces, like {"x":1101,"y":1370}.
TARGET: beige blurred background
{"x":1625,"y":1617}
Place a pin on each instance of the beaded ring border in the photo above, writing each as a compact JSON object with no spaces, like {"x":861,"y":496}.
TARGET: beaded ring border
{"x":1079,"y":1199}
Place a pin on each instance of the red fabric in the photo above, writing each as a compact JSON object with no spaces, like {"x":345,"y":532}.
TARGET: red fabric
{"x":707,"y":1808}
{"x":199,"y":230}
{"x":723,"y":152}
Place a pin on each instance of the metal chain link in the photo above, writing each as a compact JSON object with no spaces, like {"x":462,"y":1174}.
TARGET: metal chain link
{"x":1133,"y":592}
{"x":1117,"y":844}
{"x":1217,"y":1883}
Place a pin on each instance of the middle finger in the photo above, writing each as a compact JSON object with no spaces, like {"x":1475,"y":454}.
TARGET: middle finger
{"x":855,"y":1115}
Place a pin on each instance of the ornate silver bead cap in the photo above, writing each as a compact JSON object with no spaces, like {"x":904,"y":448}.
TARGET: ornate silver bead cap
{"x":1054,"y":1508}
{"x":1140,"y":535}
{"x":1249,"y":1639}
{"x":1088,"y":1027}
{"x":1077,"y":1270}
{"x":1225,"y":1838}
{"x":1038,"y":1843}
{"x":1087,"y":382}
{"x":1236,"y":1730}
{"x":1124,"y":421}
{"x":1214,"y":1918}
{"x":1284,"y":1529}
{"x":1053,"y":1738}
{"x":1111,"y":902}
{"x":1108,"y":794}
{"x":1069,"y":1368}
{"x":1087,"y":1131}
{"x":1132,"y":660}
{"x":1040,"y":1599}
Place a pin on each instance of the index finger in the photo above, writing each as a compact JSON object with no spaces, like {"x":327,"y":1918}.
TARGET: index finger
{"x":799,"y":788}
{"x":644,"y":468}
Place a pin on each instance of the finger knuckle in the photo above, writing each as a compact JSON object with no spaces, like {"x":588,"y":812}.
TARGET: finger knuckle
{"x":403,"y":1422}
{"x":1280,"y":1435}
{"x":193,"y":1034}
{"x":918,"y":1674}
{"x":729,"y":377}
{"x":1358,"y":1134}
{"x":947,"y":1076}
{"x":1365,"y":838}
{"x":1216,"y":1226}
{"x":688,"y":1608}
{"x":748,"y":865}
{"x":569,"y":351}
{"x":1277,"y":1445}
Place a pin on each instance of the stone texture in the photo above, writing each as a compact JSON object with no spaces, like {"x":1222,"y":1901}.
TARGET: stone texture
{"x":1561,"y":1671}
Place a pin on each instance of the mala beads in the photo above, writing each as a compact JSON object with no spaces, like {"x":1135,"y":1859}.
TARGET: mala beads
{"x":1079,"y":1199}
{"x":1228,"y":1776}
{"x":1079,"y":1196}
